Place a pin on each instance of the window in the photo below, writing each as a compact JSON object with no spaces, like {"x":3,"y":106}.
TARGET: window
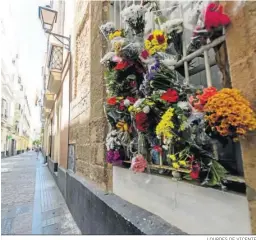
{"x":4,"y":108}
{"x":203,"y":69}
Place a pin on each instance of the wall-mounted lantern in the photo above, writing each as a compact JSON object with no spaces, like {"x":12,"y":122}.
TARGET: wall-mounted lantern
{"x":48,"y":17}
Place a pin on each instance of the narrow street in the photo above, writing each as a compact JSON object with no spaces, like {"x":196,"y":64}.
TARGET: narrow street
{"x":31,"y":200}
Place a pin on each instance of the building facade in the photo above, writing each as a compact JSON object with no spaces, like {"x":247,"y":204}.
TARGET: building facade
{"x":15,"y":109}
{"x":113,"y":200}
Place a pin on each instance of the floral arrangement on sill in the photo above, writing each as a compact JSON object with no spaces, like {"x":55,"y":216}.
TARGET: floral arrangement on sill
{"x":156,"y":119}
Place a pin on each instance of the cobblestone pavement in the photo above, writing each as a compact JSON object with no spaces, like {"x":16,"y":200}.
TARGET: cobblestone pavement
{"x":31,"y":201}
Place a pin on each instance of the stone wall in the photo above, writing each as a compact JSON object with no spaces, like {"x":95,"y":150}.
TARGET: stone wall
{"x":241,"y":48}
{"x":88,"y":124}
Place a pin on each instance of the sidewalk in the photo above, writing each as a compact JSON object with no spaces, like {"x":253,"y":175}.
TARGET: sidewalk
{"x":31,"y":201}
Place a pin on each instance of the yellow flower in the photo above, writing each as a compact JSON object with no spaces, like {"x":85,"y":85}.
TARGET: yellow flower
{"x":165,"y":126}
{"x":119,"y":98}
{"x":172,"y":157}
{"x":123,"y":126}
{"x":151,"y":51}
{"x":117,"y":46}
{"x":148,"y":44}
{"x":165,"y":45}
{"x":182,"y":126}
{"x":183,"y":163}
{"x":154,"y":42}
{"x":117,"y":33}
{"x":157,"y":32}
{"x":149,"y":103}
{"x":131,"y":108}
{"x":175,"y":165}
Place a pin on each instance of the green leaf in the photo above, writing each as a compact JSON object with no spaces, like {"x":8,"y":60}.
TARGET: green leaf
{"x":187,"y":177}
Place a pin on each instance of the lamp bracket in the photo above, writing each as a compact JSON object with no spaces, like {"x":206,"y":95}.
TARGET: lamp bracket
{"x":60,"y":37}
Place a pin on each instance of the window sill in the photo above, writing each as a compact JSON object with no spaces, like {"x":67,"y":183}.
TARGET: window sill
{"x":193,"y":209}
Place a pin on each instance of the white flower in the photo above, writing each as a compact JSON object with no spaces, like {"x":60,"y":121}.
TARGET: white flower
{"x":169,"y":62}
{"x":127,"y":103}
{"x":173,"y":25}
{"x":167,"y":141}
{"x":107,"y":28}
{"x":111,"y":146}
{"x":165,"y":147}
{"x":146,"y":109}
{"x":107,"y":57}
{"x":183,"y":105}
{"x":132,"y":13}
{"x":138,"y":102}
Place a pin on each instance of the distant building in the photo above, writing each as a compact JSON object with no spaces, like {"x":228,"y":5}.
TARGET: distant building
{"x":15,"y":109}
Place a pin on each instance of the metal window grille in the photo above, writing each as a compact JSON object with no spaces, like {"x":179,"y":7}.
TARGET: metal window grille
{"x":56,"y":58}
{"x":171,"y":10}
{"x":174,"y":10}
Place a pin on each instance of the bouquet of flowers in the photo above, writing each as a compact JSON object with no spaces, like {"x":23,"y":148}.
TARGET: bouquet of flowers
{"x":134,"y":16}
{"x":155,"y":117}
{"x":230,"y":114}
{"x":197,"y":102}
{"x":156,"y":42}
{"x":174,"y":30}
{"x":114,"y":148}
{"x":107,"y":28}
{"x":116,"y":33}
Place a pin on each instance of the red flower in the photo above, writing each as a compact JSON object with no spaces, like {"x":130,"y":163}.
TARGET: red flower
{"x":121,"y":106}
{"x":121,"y":65}
{"x":170,"y":96}
{"x":112,"y":101}
{"x":145,"y":54}
{"x":214,"y":16}
{"x":150,"y":37}
{"x":132,"y":100}
{"x":195,"y":170}
{"x":207,"y":93}
{"x":160,"y":39}
{"x":191,"y":158}
{"x":141,"y":120}
{"x":158,"y":149}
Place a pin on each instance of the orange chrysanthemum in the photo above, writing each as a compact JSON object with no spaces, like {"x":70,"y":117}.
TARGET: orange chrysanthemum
{"x":230,"y":113}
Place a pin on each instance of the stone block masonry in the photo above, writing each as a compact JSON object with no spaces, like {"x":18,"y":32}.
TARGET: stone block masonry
{"x":88,"y":124}
{"x":241,"y":48}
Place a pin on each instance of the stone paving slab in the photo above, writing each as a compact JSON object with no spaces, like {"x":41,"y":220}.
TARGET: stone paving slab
{"x":31,"y":201}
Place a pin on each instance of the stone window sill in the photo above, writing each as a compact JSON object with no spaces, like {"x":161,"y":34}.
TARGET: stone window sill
{"x":191,"y":208}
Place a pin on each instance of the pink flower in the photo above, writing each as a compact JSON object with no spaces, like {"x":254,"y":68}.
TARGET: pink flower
{"x":145,"y":54}
{"x":116,"y":59}
{"x":139,"y":163}
{"x":122,"y":106}
{"x":132,"y":100}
